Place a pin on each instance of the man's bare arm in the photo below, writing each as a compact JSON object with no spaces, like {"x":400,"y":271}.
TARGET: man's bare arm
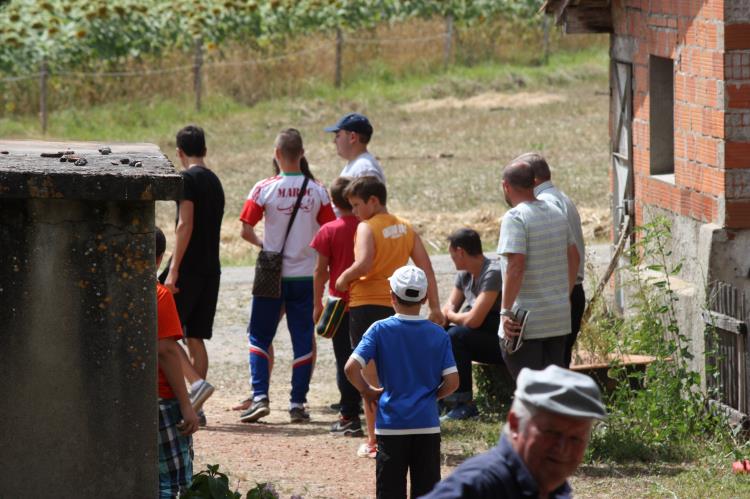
{"x":573,"y":260}
{"x":475,"y":317}
{"x":183,"y":233}
{"x":320,"y":278}
{"x":364,"y":255}
{"x":512,"y":280}
{"x":422,"y":260}
{"x":450,"y":384}
{"x":169,"y":363}
{"x":249,"y":235}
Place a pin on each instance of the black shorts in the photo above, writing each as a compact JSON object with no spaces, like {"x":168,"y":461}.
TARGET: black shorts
{"x":196,"y":303}
{"x":362,"y":317}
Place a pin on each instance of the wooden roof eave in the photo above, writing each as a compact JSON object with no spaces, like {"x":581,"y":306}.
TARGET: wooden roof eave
{"x":581,"y":16}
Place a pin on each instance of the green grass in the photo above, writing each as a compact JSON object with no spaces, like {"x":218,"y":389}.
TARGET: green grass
{"x":563,"y":68}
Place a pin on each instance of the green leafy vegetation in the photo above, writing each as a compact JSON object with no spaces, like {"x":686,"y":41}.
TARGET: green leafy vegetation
{"x":73,"y":32}
{"x":660,"y":413}
{"x":212,"y":484}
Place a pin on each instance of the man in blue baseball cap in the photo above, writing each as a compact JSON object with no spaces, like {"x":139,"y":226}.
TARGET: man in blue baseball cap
{"x":353,"y":133}
{"x":543,"y":442}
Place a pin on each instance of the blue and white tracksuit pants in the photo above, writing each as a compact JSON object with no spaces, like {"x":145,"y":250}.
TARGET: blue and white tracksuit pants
{"x":297,"y":299}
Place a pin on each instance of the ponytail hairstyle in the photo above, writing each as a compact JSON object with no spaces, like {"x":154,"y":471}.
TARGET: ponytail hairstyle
{"x":289,"y":142}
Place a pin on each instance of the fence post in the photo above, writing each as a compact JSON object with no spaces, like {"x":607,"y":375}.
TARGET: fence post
{"x":197,"y":77}
{"x":546,"y":25}
{"x":43,"y":75}
{"x":448,"y":47}
{"x":339,"y":52}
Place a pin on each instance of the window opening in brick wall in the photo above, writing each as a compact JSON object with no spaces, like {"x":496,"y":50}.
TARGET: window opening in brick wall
{"x":661,"y":114}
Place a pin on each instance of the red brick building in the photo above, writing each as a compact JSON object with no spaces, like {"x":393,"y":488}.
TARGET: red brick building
{"x":680,"y":142}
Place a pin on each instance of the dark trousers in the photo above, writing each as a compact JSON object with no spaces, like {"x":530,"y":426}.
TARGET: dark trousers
{"x":536,"y":354}
{"x":480,"y":345}
{"x":577,"y":305}
{"x":397,"y":454}
{"x":342,"y":349}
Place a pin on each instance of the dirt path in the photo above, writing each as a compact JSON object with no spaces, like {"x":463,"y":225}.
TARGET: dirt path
{"x":298,"y":458}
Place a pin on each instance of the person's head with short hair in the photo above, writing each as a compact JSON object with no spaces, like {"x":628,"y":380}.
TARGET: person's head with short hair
{"x":352,"y":134}
{"x":289,"y":153}
{"x":338,"y":188}
{"x":191,"y":144}
{"x":408,"y":289}
{"x":368,"y":196}
{"x":538,"y":165}
{"x":160,"y":245}
{"x":550,"y":422}
{"x":465,"y":246}
{"x":518,"y":182}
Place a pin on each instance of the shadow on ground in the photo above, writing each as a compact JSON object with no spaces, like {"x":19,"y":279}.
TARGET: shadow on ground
{"x":272,"y":429}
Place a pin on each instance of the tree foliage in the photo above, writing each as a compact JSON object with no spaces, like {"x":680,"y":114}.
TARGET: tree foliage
{"x":69,"y":33}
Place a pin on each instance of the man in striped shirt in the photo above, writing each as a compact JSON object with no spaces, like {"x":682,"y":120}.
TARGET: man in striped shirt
{"x":539,"y":260}
{"x":546,"y":191}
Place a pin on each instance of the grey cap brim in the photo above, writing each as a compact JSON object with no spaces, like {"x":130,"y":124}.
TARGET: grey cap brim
{"x":561,"y":391}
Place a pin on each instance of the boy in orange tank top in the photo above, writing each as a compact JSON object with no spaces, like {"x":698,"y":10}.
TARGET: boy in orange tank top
{"x":383,"y":243}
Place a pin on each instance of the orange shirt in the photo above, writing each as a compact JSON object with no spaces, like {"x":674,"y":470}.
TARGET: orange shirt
{"x":394,"y":242}
{"x":168,"y":326}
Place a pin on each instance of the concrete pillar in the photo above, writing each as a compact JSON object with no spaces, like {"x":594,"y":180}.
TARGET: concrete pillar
{"x":78,"y":319}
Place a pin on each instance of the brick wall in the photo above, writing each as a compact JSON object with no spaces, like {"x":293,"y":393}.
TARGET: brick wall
{"x":737,"y":121}
{"x":709,"y":42}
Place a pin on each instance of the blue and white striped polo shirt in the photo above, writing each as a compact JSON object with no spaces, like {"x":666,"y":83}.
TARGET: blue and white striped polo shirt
{"x":542,"y":233}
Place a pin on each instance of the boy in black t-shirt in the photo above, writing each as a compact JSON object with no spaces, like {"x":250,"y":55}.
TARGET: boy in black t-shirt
{"x":194,"y":270}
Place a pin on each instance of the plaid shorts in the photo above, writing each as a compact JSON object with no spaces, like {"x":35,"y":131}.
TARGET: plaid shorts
{"x":175,"y":451}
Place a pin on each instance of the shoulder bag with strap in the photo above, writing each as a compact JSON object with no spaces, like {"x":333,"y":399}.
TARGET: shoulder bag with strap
{"x":267,"y":281}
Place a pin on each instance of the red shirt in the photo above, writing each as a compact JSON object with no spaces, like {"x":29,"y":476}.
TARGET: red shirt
{"x":168,"y":326}
{"x":335,"y":240}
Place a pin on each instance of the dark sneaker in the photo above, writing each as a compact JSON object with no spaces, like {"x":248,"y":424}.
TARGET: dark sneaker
{"x":257,"y":410}
{"x":298,"y":415}
{"x":461,"y":411}
{"x":201,"y":394}
{"x":347,"y":427}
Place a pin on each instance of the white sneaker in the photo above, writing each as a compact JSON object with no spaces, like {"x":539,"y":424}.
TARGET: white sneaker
{"x":199,"y":396}
{"x":367,"y":450}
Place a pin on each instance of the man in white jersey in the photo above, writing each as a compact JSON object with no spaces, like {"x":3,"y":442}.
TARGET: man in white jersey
{"x":353,"y":133}
{"x":539,"y":260}
{"x":546,"y":191}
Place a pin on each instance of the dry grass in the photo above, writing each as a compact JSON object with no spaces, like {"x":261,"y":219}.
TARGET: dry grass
{"x":248,"y":72}
{"x":442,"y":165}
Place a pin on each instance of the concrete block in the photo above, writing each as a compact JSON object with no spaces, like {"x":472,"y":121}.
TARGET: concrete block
{"x":78,"y":320}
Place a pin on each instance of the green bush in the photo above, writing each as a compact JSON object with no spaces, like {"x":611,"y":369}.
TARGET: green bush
{"x":211,"y":484}
{"x":494,"y":389}
{"x":660,"y":413}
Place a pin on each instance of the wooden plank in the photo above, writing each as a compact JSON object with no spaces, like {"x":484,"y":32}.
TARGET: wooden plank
{"x":582,"y":19}
{"x":724,"y":322}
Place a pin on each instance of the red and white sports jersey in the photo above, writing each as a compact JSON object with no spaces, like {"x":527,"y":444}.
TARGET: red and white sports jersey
{"x":274,"y":198}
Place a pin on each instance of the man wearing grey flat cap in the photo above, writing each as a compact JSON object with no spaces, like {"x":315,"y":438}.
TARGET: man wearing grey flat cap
{"x":543,"y":441}
{"x":352,"y":134}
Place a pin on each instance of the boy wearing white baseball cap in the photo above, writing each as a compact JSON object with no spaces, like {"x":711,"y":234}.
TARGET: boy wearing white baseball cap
{"x":415,"y":366}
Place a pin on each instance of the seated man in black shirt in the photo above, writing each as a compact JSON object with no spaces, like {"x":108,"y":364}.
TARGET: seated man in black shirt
{"x":473,"y":331}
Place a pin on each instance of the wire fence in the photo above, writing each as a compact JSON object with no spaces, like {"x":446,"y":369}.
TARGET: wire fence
{"x":199,"y":67}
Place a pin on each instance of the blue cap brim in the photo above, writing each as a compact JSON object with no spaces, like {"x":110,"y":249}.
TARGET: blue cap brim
{"x":333,"y":128}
